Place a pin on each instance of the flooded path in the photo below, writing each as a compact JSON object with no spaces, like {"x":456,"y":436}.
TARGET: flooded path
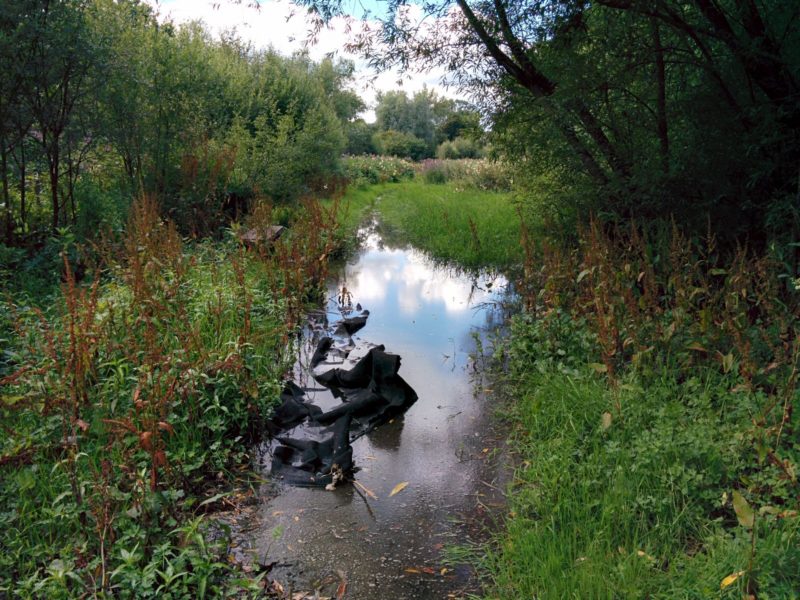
{"x":392,"y":547}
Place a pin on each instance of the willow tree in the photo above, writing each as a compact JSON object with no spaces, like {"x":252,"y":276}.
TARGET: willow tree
{"x":654,"y":105}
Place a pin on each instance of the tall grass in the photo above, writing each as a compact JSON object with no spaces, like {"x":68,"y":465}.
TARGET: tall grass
{"x":470,"y":227}
{"x":131,"y":396}
{"x":655,"y":394}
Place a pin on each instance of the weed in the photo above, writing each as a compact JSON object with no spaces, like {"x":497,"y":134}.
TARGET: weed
{"x":133,"y":393}
{"x":656,"y":377}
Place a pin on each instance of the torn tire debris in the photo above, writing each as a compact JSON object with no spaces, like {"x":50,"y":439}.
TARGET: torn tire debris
{"x":312,"y":447}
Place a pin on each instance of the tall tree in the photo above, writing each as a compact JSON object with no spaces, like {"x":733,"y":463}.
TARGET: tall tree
{"x":616,"y":91}
{"x":60,"y":58}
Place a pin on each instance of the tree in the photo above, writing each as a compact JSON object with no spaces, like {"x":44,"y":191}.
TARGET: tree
{"x":609,"y":94}
{"x":59,"y":63}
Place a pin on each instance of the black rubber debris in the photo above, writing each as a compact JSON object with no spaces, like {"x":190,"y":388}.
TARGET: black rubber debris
{"x":313,"y":448}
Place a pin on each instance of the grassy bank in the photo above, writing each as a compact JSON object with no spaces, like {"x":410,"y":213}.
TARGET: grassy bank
{"x":628,"y":492}
{"x":653,"y":403}
{"x":470,"y":227}
{"x":654,"y":406}
{"x":130,"y":403}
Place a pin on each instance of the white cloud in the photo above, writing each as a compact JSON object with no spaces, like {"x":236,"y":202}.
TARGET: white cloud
{"x":284,"y":26}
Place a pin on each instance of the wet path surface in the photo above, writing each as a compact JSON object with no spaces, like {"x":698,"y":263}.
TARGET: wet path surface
{"x":392,"y":547}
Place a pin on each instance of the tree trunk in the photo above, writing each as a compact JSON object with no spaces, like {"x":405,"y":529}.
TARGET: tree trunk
{"x":661,"y":103}
{"x":23,"y":168}
{"x":6,"y":194}
{"x":53,"y":163}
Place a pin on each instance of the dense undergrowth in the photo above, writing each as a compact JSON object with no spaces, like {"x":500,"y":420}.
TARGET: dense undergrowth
{"x":128,"y":404}
{"x":653,"y":387}
{"x":652,"y":384}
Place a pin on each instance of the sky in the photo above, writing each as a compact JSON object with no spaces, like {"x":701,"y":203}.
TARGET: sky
{"x":283,"y":25}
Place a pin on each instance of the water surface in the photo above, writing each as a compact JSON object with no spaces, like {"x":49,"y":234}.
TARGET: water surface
{"x":392,"y":547}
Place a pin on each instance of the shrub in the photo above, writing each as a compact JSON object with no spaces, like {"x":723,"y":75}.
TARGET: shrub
{"x":361,"y":170}
{"x":460,"y":147}
{"x":398,"y":143}
{"x":436,"y":176}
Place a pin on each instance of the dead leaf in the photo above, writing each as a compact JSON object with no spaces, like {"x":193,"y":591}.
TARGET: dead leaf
{"x":82,"y":425}
{"x":398,"y":488}
{"x":730,"y":579}
{"x":428,"y":570}
{"x":144,"y":440}
{"x":277,"y":587}
{"x":341,"y":590}
{"x":412,"y":570}
{"x":164,"y":426}
{"x":444,"y":571}
{"x":605,"y":420}
{"x":160,"y":459}
{"x":645,"y":555}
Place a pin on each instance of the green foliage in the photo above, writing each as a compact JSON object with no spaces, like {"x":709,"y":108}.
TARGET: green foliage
{"x":459,"y":147}
{"x":412,"y":127}
{"x":401,"y":144}
{"x":359,"y":138}
{"x":365,"y":170}
{"x":129,"y":398}
{"x":651,"y":379}
{"x":640,"y":109}
{"x":470,"y":228}
{"x":102,"y":103}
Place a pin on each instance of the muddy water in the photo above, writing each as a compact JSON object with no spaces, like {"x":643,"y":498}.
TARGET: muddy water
{"x":392,"y":547}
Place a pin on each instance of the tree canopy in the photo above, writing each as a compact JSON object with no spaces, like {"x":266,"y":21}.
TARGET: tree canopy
{"x":639,"y":107}
{"x":101,"y":102}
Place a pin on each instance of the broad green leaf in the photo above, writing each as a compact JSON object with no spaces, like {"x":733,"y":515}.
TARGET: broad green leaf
{"x":743,"y":511}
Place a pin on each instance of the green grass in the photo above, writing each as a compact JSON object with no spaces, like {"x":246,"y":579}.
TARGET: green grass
{"x":638,"y":506}
{"x":469,"y":227}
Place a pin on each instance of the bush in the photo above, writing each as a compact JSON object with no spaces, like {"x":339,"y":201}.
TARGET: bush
{"x":364,"y":170}
{"x":436,"y":176}
{"x":397,"y":143}
{"x":460,"y":147}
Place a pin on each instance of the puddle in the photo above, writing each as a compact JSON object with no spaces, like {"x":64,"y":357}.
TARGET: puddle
{"x":391,"y":547}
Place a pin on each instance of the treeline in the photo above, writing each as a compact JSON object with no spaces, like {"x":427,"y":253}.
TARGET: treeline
{"x":624,"y":108}
{"x":101,"y":103}
{"x":420,"y":126}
